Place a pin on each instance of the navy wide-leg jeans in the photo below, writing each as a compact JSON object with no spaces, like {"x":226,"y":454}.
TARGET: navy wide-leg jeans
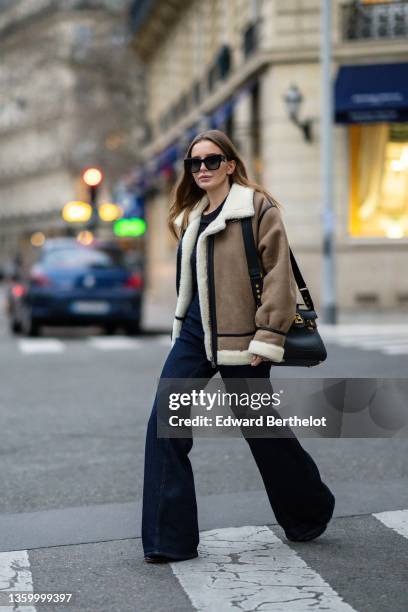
{"x":299,"y":498}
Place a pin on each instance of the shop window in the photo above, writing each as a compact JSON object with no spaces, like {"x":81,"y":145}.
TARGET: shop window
{"x":379,"y":180}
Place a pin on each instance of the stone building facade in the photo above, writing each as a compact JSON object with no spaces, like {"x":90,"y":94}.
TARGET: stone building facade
{"x":230,"y":64}
{"x":71,"y":96}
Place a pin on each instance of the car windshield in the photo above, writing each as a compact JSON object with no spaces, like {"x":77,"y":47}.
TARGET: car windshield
{"x":81,"y":258}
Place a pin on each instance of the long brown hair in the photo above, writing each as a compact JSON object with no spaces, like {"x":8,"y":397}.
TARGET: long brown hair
{"x":187,"y":193}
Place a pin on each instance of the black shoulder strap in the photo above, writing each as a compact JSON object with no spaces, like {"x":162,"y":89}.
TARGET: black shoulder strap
{"x":254,"y":268}
{"x":304,"y":291}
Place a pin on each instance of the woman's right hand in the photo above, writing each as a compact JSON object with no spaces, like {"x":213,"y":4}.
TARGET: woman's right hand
{"x":257,"y":359}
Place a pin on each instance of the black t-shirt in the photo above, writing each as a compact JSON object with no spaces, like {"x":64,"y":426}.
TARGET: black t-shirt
{"x":205,"y":220}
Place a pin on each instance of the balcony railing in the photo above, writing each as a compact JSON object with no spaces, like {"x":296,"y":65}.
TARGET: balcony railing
{"x":381,"y":20}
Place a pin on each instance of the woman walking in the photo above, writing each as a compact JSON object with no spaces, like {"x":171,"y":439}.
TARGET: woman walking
{"x":218,"y":328}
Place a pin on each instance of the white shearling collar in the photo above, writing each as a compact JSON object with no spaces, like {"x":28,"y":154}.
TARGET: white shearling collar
{"x":238,"y":205}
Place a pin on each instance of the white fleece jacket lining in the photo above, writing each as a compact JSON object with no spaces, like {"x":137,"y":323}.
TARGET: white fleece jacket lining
{"x":270,"y":351}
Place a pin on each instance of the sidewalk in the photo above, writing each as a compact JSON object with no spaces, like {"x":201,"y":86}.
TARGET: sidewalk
{"x":368,"y":316}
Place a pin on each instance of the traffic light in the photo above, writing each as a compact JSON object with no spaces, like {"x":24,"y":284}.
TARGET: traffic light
{"x":93,"y":177}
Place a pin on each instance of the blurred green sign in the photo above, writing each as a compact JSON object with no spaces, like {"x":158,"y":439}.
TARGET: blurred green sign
{"x":129,"y":227}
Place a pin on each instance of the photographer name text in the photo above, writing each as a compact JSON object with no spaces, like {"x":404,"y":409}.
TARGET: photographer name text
{"x":260,"y":421}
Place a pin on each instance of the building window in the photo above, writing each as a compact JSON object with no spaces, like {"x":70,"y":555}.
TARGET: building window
{"x":250,"y":39}
{"x":196,"y":93}
{"x":224,"y":61}
{"x":379,"y":180}
{"x":229,"y":126}
{"x":212,"y":77}
{"x":148,"y":132}
{"x":163,"y":123}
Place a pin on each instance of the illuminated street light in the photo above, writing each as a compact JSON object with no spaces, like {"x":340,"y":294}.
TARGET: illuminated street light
{"x":109,"y":212}
{"x":37,"y":239}
{"x":85,"y":237}
{"x":76,"y":212}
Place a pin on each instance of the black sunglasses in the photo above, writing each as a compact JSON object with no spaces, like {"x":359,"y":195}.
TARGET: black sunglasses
{"x":211,"y":162}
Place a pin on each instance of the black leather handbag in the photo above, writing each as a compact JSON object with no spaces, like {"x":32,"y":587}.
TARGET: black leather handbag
{"x":303,"y":345}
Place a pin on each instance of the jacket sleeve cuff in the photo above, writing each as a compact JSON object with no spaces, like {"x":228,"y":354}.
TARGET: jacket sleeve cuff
{"x":265,"y":349}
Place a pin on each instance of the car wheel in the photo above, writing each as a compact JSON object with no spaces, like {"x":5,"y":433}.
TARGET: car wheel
{"x":15,"y":326}
{"x":29,"y":325}
{"x":133,"y":329}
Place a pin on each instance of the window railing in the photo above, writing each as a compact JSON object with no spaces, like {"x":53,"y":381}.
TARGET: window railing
{"x":380,"y":20}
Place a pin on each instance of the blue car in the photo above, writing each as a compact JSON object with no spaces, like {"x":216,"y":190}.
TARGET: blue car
{"x":73,"y":284}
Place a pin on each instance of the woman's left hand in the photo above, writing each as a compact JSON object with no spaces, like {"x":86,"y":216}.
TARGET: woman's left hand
{"x":256,"y":360}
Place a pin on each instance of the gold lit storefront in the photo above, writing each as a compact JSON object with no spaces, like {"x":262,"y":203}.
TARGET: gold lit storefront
{"x":378,"y":203}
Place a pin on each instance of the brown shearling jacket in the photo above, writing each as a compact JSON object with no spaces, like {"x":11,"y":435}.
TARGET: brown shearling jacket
{"x":234,"y":330}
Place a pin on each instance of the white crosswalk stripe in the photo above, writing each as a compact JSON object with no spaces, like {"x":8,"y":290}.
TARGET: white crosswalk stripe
{"x":15,"y":576}
{"x":250,"y":568}
{"x":114,"y":343}
{"x":397,"y":520}
{"x":30,"y":346}
{"x":388,"y":339}
{"x":397,"y":349}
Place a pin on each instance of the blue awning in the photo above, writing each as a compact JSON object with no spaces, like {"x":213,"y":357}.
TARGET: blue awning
{"x":372,"y":93}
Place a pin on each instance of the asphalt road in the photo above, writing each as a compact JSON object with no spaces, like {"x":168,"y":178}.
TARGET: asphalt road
{"x":74,"y":407}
